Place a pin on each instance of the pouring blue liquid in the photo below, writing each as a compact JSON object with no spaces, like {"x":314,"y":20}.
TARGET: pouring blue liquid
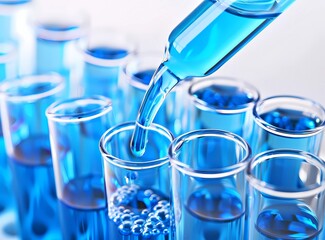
{"x":200,"y":45}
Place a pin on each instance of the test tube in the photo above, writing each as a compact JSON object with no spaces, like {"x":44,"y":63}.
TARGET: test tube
{"x":281,"y":211}
{"x":25,"y":131}
{"x":76,"y":126}
{"x":104,"y":54}
{"x":57,"y":36}
{"x":14,"y":28}
{"x":222,"y":103}
{"x":137,"y":74}
{"x":137,"y":188}
{"x":8,"y":228}
{"x":208,"y":185}
{"x":288,"y":122}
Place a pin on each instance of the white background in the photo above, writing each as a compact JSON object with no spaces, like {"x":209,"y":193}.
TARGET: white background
{"x":288,"y":57}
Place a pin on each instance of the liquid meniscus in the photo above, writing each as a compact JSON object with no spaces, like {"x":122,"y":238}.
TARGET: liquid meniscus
{"x":107,"y":52}
{"x":287,"y":221}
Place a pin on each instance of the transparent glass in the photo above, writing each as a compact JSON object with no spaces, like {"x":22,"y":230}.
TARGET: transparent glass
{"x":76,"y":126}
{"x":25,"y":130}
{"x":14,"y":28}
{"x":137,"y":188}
{"x":137,"y":74}
{"x":8,"y":228}
{"x":222,"y":103}
{"x":57,"y":35}
{"x":104,"y":54}
{"x":281,"y":209}
{"x":288,"y":122}
{"x":208,"y":185}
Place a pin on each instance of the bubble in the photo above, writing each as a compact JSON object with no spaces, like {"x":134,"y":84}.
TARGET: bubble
{"x":160,"y":226}
{"x":126,"y":217}
{"x":125,"y":228}
{"x":127,"y":211}
{"x":137,"y":229}
{"x":165,"y":231}
{"x":146,"y":234}
{"x":154,"y":198}
{"x":155,"y":232}
{"x":162,"y":215}
{"x":148,"y":192}
{"x":140,"y":222}
{"x":148,"y":225}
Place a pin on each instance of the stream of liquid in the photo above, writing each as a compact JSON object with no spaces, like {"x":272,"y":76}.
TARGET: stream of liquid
{"x":199,"y":46}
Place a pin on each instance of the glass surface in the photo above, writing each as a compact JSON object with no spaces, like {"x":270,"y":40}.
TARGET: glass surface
{"x":25,"y":129}
{"x":209,"y":190}
{"x":281,"y":209}
{"x":56,"y":38}
{"x":288,"y":122}
{"x":222,"y":103}
{"x":137,"y":188}
{"x":76,"y":126}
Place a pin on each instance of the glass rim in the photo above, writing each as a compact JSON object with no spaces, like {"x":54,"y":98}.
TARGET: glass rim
{"x":262,"y":186}
{"x":177,"y":143}
{"x":130,"y":46}
{"x":226,"y":81}
{"x":126,"y":164}
{"x":229,"y":4}
{"x":63,"y":35}
{"x":53,"y":78}
{"x":8,"y":52}
{"x":104,"y":106}
{"x":284,"y":132}
{"x":133,"y":80}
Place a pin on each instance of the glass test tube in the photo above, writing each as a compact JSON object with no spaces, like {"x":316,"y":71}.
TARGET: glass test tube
{"x":137,"y":188}
{"x":208,"y":185}
{"x":57,"y":36}
{"x":25,"y":130}
{"x":282,"y":211}
{"x":222,"y":103}
{"x":104,"y":55}
{"x":76,"y":126}
{"x":288,"y":122}
{"x":14,"y":28}
{"x":137,"y":74}
{"x":8,"y":228}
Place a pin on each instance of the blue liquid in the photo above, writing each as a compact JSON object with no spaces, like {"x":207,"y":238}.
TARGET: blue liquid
{"x":287,"y":123}
{"x":224,"y":97}
{"x":103,"y":79}
{"x":288,"y":221}
{"x":144,"y":76}
{"x":198,"y":46}
{"x":58,"y":55}
{"x":291,"y":120}
{"x":5,"y":178}
{"x":107,"y":52}
{"x":83,"y":209}
{"x":212,"y":213}
{"x":34,"y":189}
{"x":137,"y":213}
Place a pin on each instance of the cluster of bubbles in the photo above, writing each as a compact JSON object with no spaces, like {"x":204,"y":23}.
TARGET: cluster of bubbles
{"x":290,"y":120}
{"x":226,"y":97}
{"x":140,"y":212}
